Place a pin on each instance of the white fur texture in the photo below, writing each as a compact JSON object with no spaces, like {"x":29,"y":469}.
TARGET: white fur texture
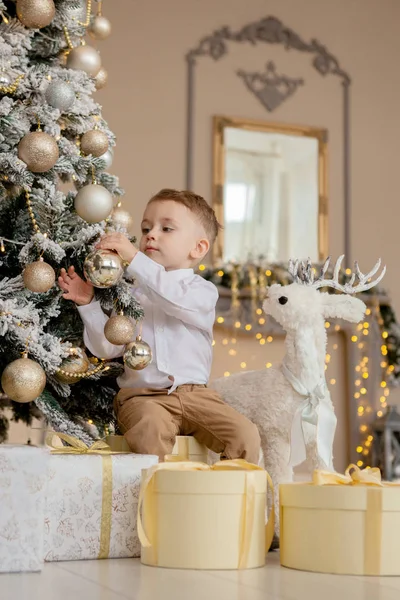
{"x":266,"y":397}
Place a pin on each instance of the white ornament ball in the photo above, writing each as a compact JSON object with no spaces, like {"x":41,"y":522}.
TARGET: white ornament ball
{"x":103,"y":268}
{"x":93,"y":203}
{"x":121,"y":217}
{"x":5,"y":80}
{"x":108,"y":158}
{"x":60,"y":94}
{"x":100,"y":28}
{"x":84,"y":58}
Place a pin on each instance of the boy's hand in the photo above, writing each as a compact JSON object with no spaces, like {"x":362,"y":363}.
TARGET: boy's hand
{"x":120,"y":244}
{"x":75,"y":288}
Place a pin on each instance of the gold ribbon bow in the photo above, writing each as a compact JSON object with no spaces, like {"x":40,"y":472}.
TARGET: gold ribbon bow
{"x":353,"y":476}
{"x":77,"y":447}
{"x":247,"y":518}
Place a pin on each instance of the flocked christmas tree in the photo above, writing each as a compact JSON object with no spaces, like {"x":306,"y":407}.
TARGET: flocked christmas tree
{"x":53,"y":138}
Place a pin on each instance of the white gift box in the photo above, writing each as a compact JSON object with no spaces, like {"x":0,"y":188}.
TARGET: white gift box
{"x":22,"y":498}
{"x":91,"y":505}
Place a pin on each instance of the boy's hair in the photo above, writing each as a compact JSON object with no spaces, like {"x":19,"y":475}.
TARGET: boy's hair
{"x":197,"y":205}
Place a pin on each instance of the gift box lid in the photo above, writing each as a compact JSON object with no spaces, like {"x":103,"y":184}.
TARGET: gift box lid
{"x":208,"y":482}
{"x":337,"y":497}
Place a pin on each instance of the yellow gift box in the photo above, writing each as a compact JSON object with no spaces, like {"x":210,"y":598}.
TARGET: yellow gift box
{"x":197,"y":516}
{"x":342,"y":524}
{"x":188,"y":448}
{"x":185,"y":448}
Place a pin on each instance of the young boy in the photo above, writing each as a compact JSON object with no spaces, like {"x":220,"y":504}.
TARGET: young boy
{"x":170,"y":396}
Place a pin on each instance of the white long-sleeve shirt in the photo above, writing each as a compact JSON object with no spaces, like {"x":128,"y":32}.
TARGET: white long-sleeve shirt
{"x":179,"y":309}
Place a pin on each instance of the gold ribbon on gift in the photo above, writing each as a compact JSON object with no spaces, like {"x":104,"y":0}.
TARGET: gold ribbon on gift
{"x":247,"y":517}
{"x":97,"y":448}
{"x":371,"y":477}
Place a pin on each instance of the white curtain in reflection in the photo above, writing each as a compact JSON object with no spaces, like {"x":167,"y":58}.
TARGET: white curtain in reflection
{"x":255,"y":206}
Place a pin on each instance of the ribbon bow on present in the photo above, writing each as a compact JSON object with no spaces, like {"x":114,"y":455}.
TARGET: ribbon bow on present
{"x":353,"y":476}
{"x":247,"y":518}
{"x":77,"y":446}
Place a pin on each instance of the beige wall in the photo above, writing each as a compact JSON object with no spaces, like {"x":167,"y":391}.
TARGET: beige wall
{"x":145,"y":100}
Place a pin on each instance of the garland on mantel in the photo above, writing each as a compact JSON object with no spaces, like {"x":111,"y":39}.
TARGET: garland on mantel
{"x":249,"y":280}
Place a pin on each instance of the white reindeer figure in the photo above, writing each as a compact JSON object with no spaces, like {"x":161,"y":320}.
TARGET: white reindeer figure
{"x":291,"y":404}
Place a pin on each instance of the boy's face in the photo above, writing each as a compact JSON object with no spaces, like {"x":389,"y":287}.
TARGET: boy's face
{"x":172,"y":236}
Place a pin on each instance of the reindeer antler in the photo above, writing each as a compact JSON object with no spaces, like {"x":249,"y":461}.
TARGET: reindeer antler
{"x":365,"y":282}
{"x":301,"y":272}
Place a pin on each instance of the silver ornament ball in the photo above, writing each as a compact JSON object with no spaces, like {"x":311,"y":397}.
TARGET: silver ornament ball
{"x":39,"y":151}
{"x":100,"y":28}
{"x":94,"y":142}
{"x":108,"y":158}
{"x":84,"y":58}
{"x":93,"y":203}
{"x":5,"y":80}
{"x":103,"y":268}
{"x":138,"y":355}
{"x":60,"y":94}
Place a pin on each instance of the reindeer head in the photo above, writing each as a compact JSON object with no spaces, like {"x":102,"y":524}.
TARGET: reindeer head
{"x":300,"y":303}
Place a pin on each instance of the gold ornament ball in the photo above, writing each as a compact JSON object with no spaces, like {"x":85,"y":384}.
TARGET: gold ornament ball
{"x":103,"y":268}
{"x":100,"y":28}
{"x":93,"y":203}
{"x":76,"y":363}
{"x":84,"y":58}
{"x":119,"y":330}
{"x":35,"y":14}
{"x":39,"y":277}
{"x":23,"y":380}
{"x":94,"y":142}
{"x":121,"y":217}
{"x":138,"y":355}
{"x":39,"y":151}
{"x":101,"y":79}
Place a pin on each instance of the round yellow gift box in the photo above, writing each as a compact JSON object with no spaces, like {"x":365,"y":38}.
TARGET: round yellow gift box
{"x":204,"y":519}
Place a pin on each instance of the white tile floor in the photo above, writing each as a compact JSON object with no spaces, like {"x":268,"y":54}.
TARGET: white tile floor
{"x":128,"y":579}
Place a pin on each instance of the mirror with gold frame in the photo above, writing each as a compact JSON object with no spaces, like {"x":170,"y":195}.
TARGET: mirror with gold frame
{"x":269,"y":191}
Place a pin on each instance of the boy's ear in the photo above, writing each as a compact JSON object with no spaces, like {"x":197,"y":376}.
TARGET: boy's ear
{"x":201,"y":249}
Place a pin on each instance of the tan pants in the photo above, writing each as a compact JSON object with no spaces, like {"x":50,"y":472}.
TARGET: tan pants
{"x":150,"y":420}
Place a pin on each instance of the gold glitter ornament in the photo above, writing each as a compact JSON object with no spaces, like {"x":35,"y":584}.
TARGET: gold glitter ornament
{"x":35,"y":14}
{"x":23,"y":380}
{"x":100,"y":28}
{"x":101,"y":79}
{"x":103,"y":268}
{"x":39,"y":151}
{"x":119,"y":330}
{"x":138,"y":355}
{"x":39,"y":277}
{"x":84,"y":58}
{"x":94,"y":142}
{"x":72,"y":367}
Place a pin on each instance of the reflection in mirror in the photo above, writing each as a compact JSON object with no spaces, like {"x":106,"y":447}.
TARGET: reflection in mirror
{"x":269,"y":188}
